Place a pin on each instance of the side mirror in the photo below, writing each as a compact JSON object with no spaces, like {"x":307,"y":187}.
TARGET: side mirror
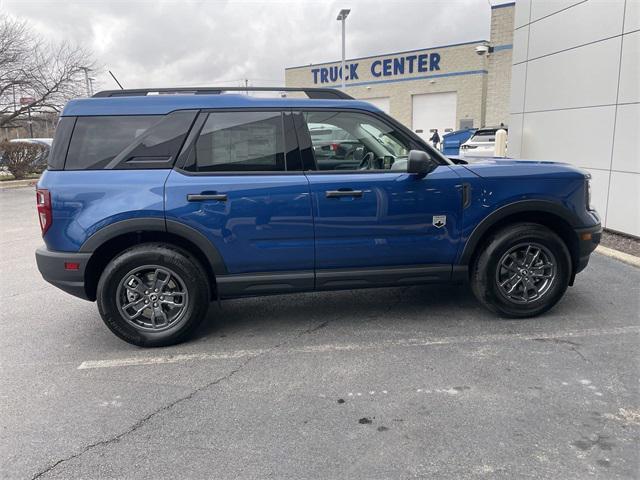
{"x":419,"y":163}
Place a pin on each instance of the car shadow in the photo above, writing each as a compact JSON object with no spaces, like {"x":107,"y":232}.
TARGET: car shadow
{"x":384,"y":307}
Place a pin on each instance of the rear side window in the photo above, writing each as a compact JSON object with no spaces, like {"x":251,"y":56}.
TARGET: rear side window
{"x":240,"y":142}
{"x":60,"y":143}
{"x":97,"y":140}
{"x":133,"y":141}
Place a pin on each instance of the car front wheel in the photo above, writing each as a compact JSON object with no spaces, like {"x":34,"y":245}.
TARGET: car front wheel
{"x":153,"y":295}
{"x":523,"y":271}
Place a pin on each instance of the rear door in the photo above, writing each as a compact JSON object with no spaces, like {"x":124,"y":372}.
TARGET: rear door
{"x":376,"y":224}
{"x":240,"y":184}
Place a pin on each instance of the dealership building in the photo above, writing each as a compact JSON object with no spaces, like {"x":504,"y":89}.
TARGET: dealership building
{"x":575,"y":96}
{"x":563,"y":75}
{"x":447,"y":87}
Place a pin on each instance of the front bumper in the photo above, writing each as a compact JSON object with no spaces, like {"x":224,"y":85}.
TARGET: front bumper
{"x":588,"y":240}
{"x":52,"y":267}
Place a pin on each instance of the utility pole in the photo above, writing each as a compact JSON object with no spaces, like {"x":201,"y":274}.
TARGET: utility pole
{"x":246,"y":86}
{"x":342,"y":16}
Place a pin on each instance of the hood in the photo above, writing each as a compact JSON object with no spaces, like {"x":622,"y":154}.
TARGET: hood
{"x":507,"y":167}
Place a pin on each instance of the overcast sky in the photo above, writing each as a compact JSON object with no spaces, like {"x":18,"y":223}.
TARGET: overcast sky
{"x":152,"y":43}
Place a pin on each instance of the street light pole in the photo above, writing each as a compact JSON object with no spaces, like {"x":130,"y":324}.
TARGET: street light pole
{"x":30,"y":121}
{"x":342,"y":16}
{"x":86,"y":79}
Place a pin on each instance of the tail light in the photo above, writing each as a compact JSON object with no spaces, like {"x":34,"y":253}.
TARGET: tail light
{"x":335,"y":146}
{"x":43,"y":203}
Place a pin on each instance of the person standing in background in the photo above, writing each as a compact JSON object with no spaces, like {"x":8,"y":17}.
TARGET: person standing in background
{"x":435,"y":138}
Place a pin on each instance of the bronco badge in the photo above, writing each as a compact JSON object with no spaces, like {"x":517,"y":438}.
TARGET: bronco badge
{"x":439,"y":221}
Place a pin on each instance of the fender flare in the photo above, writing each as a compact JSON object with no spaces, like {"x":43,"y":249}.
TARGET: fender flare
{"x":151,"y":224}
{"x":522,"y":206}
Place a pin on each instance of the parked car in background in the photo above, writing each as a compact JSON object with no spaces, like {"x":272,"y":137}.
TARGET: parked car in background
{"x":155,"y":205}
{"x":482,"y":143}
{"x":331,"y":143}
{"x":39,"y":163}
{"x":451,"y":141}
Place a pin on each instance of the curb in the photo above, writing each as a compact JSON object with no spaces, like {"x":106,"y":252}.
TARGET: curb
{"x":618,"y":255}
{"x":29,"y":182}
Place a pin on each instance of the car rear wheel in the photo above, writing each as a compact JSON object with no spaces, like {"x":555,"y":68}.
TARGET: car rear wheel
{"x":523,"y":271}
{"x":153,"y":295}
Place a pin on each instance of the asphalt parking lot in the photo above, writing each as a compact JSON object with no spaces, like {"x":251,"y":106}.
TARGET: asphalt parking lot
{"x":415,"y":382}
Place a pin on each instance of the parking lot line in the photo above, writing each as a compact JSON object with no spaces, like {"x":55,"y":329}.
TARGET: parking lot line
{"x":337,"y":347}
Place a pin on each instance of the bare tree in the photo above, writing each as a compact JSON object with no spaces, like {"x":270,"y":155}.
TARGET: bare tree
{"x":30,"y":67}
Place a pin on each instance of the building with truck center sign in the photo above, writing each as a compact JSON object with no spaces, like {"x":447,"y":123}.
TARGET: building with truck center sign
{"x":447,"y":87}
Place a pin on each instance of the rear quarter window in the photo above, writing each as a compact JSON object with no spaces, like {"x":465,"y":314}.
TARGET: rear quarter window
{"x":60,"y":143}
{"x":124,"y":142}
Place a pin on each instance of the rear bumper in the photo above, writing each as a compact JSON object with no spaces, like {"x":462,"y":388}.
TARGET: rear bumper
{"x":588,"y":240}
{"x":52,"y":267}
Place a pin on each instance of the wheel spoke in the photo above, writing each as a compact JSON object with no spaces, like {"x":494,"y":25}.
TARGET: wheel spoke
{"x":542,"y":266}
{"x":510,"y":267}
{"x":513,"y":287}
{"x":160,"y":278}
{"x":137,"y":313}
{"x":531,"y":285}
{"x":541,"y":275}
{"x":533,"y":259}
{"x":158,"y":313}
{"x":131,"y":304}
{"x":138,"y":285}
{"x":509,"y":280}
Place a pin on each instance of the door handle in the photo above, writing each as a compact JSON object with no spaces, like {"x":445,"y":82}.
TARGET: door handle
{"x":199,"y":197}
{"x":343,"y":193}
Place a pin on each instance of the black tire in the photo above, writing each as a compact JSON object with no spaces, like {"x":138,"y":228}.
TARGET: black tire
{"x":485,"y":272}
{"x":183,"y":265}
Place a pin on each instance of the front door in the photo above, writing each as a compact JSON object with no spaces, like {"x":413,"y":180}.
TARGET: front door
{"x":239,"y":188}
{"x":376,"y":224}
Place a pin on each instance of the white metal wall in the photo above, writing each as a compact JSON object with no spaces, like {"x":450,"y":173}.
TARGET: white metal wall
{"x":575,"y":96}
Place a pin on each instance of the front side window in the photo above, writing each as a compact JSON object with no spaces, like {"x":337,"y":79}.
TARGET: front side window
{"x":355,"y":141}
{"x":240,"y":141}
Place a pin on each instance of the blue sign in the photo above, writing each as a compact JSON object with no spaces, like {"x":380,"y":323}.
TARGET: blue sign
{"x":386,"y":67}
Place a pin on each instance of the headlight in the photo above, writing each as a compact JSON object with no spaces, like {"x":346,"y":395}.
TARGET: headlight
{"x":588,"y":194}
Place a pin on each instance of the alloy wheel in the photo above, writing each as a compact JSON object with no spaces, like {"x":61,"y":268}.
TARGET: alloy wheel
{"x":526,"y":272}
{"x":152,"y":298}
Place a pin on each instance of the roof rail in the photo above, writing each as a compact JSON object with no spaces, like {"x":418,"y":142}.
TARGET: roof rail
{"x":315,"y":93}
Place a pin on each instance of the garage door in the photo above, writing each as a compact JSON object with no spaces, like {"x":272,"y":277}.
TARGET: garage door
{"x":434,"y":110}
{"x":381,"y":102}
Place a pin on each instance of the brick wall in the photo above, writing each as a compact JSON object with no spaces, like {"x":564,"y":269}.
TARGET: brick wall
{"x":499,"y":65}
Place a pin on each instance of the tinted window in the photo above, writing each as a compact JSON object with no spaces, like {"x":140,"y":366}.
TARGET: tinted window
{"x":355,"y":141}
{"x":60,"y":143}
{"x":97,"y":140}
{"x":240,"y":141}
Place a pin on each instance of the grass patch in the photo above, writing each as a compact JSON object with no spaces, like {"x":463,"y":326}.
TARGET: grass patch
{"x":31,"y":176}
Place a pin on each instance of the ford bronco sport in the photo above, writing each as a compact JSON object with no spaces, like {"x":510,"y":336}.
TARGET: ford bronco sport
{"x":157,"y":202}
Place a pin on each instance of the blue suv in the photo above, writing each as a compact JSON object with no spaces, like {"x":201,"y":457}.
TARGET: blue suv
{"x":157,"y":202}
